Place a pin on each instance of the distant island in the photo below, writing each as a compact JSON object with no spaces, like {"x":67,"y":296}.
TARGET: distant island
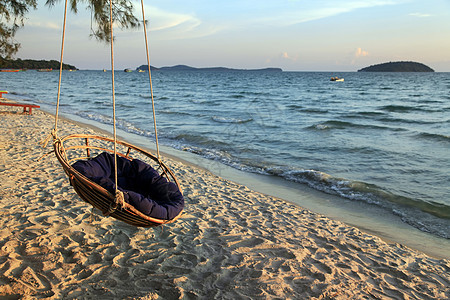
{"x":399,"y":66}
{"x":215,"y":69}
{"x":30,"y":64}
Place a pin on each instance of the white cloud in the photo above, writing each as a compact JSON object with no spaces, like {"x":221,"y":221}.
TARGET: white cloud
{"x":420,"y":15}
{"x":306,"y":12}
{"x":163,"y":20}
{"x":282,"y":58}
{"x":43,"y":25}
{"x":286,"y":56}
{"x":358,"y":54}
{"x":361,"y":53}
{"x":172,"y":25}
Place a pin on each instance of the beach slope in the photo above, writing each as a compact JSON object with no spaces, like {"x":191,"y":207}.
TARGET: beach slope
{"x":231,"y":243}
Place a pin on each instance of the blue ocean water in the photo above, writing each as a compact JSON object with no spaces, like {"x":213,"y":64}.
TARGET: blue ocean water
{"x":378,"y":138}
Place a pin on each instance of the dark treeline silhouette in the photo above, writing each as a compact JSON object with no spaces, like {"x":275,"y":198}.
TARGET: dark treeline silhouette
{"x":399,"y":66}
{"x":25,"y":64}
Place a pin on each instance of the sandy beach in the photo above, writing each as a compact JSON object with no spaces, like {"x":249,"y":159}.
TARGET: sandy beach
{"x":231,"y":243}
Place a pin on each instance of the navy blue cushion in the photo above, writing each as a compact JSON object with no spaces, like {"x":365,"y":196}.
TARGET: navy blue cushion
{"x":142,"y":186}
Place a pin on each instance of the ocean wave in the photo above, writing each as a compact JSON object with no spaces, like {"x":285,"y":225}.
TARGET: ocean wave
{"x":427,"y":216}
{"x":370,"y":113}
{"x":249,"y":92}
{"x":319,"y":127}
{"x":172,"y":112}
{"x":204,"y":101}
{"x":434,"y":136}
{"x":210,"y":153}
{"x":125,"y":106}
{"x":401,"y":108}
{"x":230,"y":120}
{"x":122,"y":124}
{"x":102,"y":103}
{"x":237,"y":96}
{"x":331,"y":125}
{"x":295,"y":106}
{"x":407,"y":121}
{"x":315,"y":111}
{"x":201,"y":143}
{"x":94,"y":117}
{"x":335,"y":124}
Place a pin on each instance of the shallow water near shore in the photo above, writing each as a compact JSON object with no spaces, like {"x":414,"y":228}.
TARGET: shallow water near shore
{"x":375,"y":141}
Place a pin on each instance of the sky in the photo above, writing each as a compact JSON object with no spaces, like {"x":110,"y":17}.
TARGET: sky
{"x":295,"y":35}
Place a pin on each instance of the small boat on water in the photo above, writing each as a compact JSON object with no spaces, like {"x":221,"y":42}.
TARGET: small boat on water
{"x":336,"y":79}
{"x":9,"y":70}
{"x":128,"y":70}
{"x":44,"y":70}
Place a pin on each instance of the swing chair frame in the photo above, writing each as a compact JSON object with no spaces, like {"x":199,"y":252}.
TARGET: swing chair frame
{"x":76,"y":147}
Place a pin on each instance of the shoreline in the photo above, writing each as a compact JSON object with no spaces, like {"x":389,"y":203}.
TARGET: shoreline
{"x":231,"y":242}
{"x":366,"y":217}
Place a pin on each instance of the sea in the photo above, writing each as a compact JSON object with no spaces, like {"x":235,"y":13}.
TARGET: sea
{"x":376,"y":139}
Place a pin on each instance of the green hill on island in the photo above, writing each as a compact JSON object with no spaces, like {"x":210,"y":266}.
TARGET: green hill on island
{"x":214,"y":69}
{"x":399,"y":66}
{"x":29,"y":64}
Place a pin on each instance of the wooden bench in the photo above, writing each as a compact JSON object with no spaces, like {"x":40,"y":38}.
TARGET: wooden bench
{"x":25,"y":106}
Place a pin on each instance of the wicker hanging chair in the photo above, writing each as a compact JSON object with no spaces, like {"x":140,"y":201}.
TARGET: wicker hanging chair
{"x":77,"y":147}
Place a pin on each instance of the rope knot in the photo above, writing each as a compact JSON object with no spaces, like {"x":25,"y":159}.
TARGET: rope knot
{"x":119,"y":203}
{"x":49,"y":136}
{"x":119,"y":199}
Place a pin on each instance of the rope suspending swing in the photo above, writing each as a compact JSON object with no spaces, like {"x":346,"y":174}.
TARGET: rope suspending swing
{"x":77,"y":150}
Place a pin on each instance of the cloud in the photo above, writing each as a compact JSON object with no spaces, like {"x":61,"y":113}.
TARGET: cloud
{"x":164,"y":20}
{"x":306,"y":11}
{"x":172,"y":25}
{"x":357,"y":54}
{"x":286,"y":56}
{"x":361,"y":53}
{"x":420,"y":15}
{"x":282,"y":57}
{"x":43,"y":25}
